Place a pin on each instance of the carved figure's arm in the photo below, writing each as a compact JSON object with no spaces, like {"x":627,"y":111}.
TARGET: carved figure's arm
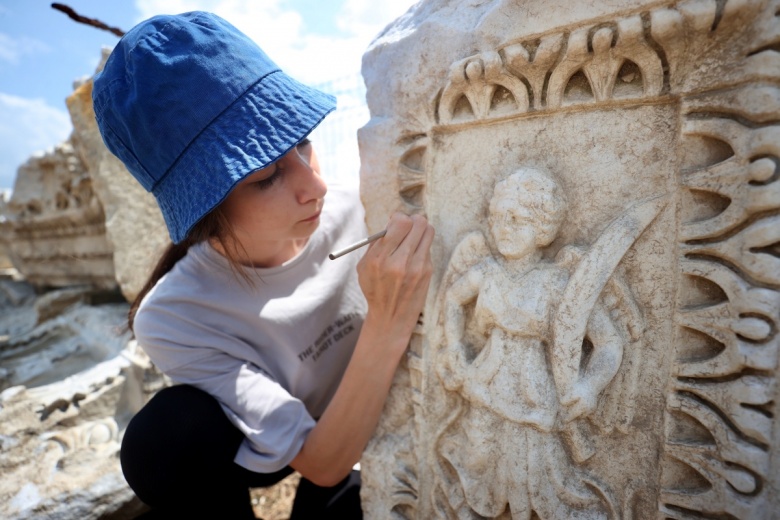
{"x":602,"y":366}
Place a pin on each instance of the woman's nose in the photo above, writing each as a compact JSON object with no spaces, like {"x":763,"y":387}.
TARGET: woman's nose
{"x":310,"y":185}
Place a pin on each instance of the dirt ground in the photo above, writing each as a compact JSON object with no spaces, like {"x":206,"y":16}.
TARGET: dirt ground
{"x":275,"y":502}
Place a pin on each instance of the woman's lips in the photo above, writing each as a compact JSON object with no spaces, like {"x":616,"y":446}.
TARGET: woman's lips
{"x":313,"y":217}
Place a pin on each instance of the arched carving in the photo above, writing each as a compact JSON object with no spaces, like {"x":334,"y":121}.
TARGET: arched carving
{"x":476,"y":80}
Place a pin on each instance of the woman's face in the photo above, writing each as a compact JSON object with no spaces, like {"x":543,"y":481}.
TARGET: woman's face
{"x":513,"y":226}
{"x":274,"y":211}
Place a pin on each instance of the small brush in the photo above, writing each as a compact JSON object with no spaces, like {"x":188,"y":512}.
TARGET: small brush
{"x":357,"y":245}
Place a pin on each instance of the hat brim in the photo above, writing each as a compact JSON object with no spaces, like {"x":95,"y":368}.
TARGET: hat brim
{"x":261,"y":126}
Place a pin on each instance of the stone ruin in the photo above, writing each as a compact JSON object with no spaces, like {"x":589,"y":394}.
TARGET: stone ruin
{"x":601,"y":335}
{"x":75,"y":233}
{"x":70,"y":381}
{"x":55,"y":218}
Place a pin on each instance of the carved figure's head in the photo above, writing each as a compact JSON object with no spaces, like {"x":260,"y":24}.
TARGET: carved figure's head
{"x":526,"y":212}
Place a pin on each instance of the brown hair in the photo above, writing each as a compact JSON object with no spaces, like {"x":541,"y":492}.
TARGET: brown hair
{"x":213,"y":225}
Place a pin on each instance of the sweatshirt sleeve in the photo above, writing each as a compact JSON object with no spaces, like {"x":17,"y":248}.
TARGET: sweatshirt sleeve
{"x":275,"y":424}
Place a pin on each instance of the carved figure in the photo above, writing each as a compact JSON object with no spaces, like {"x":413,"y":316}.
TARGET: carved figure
{"x":497,"y":351}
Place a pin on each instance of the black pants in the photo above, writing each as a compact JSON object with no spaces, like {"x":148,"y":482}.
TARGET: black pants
{"x":177,"y":455}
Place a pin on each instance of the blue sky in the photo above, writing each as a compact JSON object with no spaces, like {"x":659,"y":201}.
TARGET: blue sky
{"x":42,"y":52}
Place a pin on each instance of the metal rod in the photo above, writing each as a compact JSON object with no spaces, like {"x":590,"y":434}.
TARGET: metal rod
{"x":358,"y":245}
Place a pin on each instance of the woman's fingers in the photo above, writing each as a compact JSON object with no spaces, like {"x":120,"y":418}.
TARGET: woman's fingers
{"x":397,"y":263}
{"x":424,"y":245}
{"x":411,"y":241}
{"x":398,"y":228}
{"x":394,"y":275}
{"x":403,"y":231}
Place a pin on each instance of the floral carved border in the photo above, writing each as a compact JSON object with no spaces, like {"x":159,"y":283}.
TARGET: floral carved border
{"x":731,"y":395}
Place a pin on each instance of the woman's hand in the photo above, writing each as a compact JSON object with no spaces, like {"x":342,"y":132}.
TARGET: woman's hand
{"x":394,"y":275}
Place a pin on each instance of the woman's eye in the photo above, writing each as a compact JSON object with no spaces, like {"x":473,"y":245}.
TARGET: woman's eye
{"x":303,"y":148}
{"x":269,"y":181}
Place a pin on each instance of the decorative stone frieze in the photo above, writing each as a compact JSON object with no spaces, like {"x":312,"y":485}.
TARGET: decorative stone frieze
{"x":601,"y":335}
{"x":54,"y":225}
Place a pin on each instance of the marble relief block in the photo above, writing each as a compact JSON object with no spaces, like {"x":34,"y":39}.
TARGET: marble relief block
{"x":600,"y":338}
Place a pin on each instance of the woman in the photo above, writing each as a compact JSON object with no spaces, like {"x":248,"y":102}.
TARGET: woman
{"x":285,"y":358}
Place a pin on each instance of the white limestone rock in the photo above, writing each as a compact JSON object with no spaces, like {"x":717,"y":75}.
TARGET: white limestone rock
{"x":70,"y":380}
{"x":134,"y":225}
{"x":5,"y":231}
{"x":601,"y":334}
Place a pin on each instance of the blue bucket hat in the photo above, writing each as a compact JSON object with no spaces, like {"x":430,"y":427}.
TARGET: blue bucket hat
{"x":191,"y":106}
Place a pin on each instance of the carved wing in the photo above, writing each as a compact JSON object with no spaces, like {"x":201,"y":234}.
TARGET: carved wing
{"x":470,"y":251}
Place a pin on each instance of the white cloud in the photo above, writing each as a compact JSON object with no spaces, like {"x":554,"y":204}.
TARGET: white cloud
{"x":368,"y":17}
{"x":12,"y":49}
{"x":27,"y":126}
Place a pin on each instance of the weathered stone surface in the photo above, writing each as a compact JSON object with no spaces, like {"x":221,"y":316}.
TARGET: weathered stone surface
{"x":134,"y":225}
{"x":5,"y":230}
{"x":69,"y":383}
{"x":54,"y":225}
{"x":602,"y":331}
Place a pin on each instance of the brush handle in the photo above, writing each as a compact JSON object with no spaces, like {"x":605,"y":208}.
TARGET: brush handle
{"x":357,"y":245}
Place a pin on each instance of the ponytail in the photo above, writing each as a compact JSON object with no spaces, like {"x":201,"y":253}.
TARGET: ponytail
{"x":172,"y":254}
{"x":214,"y":225}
